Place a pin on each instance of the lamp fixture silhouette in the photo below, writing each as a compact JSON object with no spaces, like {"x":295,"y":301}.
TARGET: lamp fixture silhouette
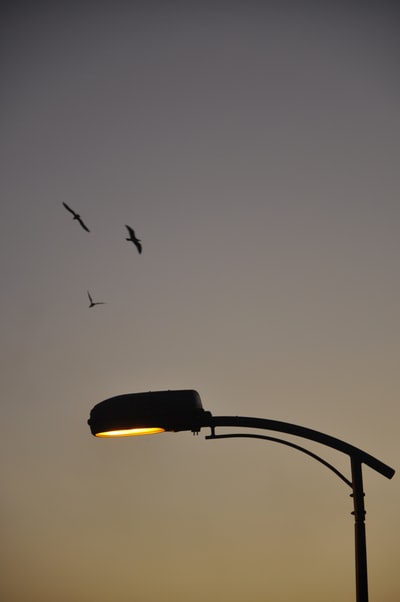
{"x":181,"y":410}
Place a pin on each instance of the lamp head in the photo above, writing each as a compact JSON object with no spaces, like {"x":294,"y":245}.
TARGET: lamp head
{"x":148,"y":413}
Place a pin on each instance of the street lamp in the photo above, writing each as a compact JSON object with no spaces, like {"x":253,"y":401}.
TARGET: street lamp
{"x":159,"y":411}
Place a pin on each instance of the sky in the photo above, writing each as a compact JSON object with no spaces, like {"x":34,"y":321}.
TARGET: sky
{"x":254,"y":148}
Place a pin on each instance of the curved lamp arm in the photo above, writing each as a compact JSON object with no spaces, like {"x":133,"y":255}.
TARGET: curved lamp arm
{"x":305,"y":433}
{"x":284,"y":442}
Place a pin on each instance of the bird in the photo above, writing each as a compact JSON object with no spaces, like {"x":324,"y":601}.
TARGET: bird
{"x":93,"y":303}
{"x":77,"y":217}
{"x":132,"y":238}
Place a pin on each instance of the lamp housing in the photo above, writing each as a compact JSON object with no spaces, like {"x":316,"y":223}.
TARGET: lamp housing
{"x":149,"y":412}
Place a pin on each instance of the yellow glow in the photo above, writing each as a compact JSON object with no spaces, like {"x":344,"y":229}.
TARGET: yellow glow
{"x":131,"y":432}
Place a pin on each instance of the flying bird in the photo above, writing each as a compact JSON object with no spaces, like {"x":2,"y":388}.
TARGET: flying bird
{"x":132,"y":238}
{"x":76,"y":216}
{"x":93,"y":303}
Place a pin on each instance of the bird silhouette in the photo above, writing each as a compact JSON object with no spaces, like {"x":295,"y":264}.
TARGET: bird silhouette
{"x":132,"y":238}
{"x":93,"y":303}
{"x":77,"y":217}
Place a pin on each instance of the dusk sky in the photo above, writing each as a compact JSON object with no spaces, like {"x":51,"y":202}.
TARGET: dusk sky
{"x":254,"y":147}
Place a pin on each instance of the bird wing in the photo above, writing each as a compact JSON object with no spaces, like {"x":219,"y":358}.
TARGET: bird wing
{"x":90,"y":297}
{"x":138,"y":245}
{"x":130,"y":230}
{"x":84,"y":226}
{"x":69,"y":209}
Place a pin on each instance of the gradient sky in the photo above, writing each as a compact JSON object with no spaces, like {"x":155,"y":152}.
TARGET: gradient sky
{"x":254,"y":147}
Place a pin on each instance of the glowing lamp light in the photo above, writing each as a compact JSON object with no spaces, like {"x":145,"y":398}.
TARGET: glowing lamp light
{"x":131,"y":432}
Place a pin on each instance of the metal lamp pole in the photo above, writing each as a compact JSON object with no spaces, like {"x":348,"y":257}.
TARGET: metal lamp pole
{"x":153,"y":412}
{"x":357,"y":458}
